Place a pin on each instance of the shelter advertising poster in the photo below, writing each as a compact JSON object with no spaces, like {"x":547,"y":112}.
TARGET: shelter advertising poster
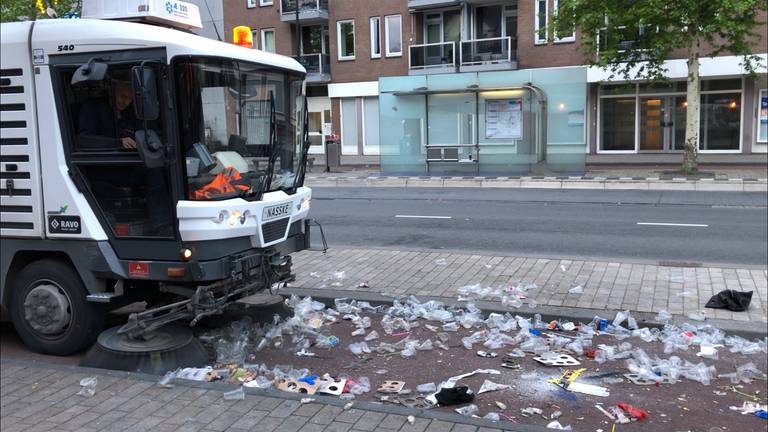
{"x":503,"y":119}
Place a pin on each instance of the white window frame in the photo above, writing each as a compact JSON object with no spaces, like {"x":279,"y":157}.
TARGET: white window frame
{"x":536,"y":27}
{"x":266,"y":2}
{"x":637,"y":95}
{"x":255,"y":34}
{"x":250,"y":4}
{"x":760,"y":93}
{"x":375,"y":24}
{"x":339,"y":39}
{"x":263,"y":39}
{"x":386,"y":36}
{"x":567,"y":39}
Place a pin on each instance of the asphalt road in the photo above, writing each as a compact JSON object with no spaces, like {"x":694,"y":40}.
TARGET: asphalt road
{"x":724,"y":228}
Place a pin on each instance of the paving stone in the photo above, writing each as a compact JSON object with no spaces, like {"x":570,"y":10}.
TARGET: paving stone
{"x":369,"y":421}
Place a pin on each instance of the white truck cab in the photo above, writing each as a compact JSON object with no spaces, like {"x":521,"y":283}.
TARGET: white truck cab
{"x":139,"y":162}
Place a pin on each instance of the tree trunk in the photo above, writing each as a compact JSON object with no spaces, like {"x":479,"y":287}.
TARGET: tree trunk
{"x":692,"y":113}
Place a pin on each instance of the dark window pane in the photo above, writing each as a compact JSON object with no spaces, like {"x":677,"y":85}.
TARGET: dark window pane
{"x":720,"y":121}
{"x":617,"y":123}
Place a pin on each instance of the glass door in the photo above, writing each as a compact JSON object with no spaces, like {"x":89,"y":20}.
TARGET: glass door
{"x":662,"y":123}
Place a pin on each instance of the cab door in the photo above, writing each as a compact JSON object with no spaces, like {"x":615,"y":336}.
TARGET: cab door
{"x":132,"y":188}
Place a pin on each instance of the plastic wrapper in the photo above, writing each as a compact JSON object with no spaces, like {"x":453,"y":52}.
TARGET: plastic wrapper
{"x":359,"y":348}
{"x":497,"y":340}
{"x":745,"y":373}
{"x":489,"y":386}
{"x":327,"y":341}
{"x":491,"y":416}
{"x":167,"y":380}
{"x":259,"y":382}
{"x":426,"y":388}
{"x":373,"y":335}
{"x":698,"y":316}
{"x":88,"y":386}
{"x":358,"y":332}
{"x":511,"y":301}
{"x":663,"y":316}
{"x":644,"y":334}
{"x":425,"y":346}
{"x":557,"y":426}
{"x":578,"y":289}
{"x":468,"y":410}
{"x":410,"y":348}
{"x":474,"y":338}
{"x":501,"y":322}
{"x":362,"y":385}
{"x":451,"y":327}
{"x":235,"y":395}
{"x":698,"y":372}
{"x":517,"y":352}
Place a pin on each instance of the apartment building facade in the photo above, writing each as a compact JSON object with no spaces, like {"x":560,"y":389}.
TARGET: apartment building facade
{"x":466,"y":87}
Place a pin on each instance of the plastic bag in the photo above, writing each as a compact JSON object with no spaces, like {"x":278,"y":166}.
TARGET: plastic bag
{"x":360,"y":348}
{"x":362,"y":385}
{"x":372,"y":335}
{"x":451,"y":327}
{"x":468,"y":410}
{"x":492,"y":416}
{"x":259,"y":382}
{"x":426,"y":388}
{"x":578,"y":289}
{"x":88,"y":386}
{"x":663,"y":316}
{"x":489,"y":386}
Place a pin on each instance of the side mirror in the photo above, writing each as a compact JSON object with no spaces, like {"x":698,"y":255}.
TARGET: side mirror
{"x":91,"y":71}
{"x":146,"y":105}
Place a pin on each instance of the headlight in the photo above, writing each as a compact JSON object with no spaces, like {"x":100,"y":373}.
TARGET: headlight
{"x":234,"y":217}
{"x":304,"y":203}
{"x":223,"y":215}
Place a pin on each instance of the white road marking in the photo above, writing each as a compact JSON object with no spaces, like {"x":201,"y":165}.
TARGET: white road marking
{"x":673,"y":224}
{"x":422,"y":217}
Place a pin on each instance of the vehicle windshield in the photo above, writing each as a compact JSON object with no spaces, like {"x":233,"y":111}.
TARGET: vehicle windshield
{"x":227,"y":111}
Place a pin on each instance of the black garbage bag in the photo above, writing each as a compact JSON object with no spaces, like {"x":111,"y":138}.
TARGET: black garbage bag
{"x":736,"y":301}
{"x":454,"y":396}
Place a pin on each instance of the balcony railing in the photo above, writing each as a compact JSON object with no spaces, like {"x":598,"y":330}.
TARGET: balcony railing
{"x":289,"y":6}
{"x":432,"y":56}
{"x":477,"y":52}
{"x":318,"y":66}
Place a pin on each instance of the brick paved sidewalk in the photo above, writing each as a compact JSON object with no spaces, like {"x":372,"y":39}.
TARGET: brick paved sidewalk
{"x":40,"y":397}
{"x":607,"y":285}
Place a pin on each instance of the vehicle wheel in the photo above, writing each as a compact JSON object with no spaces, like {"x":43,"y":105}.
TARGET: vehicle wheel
{"x":50,"y":311}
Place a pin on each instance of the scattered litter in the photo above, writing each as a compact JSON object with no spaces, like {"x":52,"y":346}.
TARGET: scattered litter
{"x":557,"y":426}
{"x":441,"y":261}
{"x":305,"y":353}
{"x":235,"y":395}
{"x":578,"y":289}
{"x":530,"y":411}
{"x":749,"y":408}
{"x":307,"y":400}
{"x":411,"y":419}
{"x":167,"y":380}
{"x":426,"y":388}
{"x":663,"y":316}
{"x":735,"y":301}
{"x":468,"y":410}
{"x":451,"y":382}
{"x":501,"y":405}
{"x":348,"y":406}
{"x":88,"y":386}
{"x":453,"y":396}
{"x":489,"y":386}
{"x":487,"y":354}
{"x":363,"y":285}
{"x":634,"y":413}
{"x":492,"y":416}
{"x":556,"y":359}
{"x":391,"y":387}
{"x":328,"y":385}
{"x":699,"y":316}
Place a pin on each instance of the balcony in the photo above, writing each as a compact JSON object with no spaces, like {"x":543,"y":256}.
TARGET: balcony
{"x":427,"y":4}
{"x":432,"y":58}
{"x":487,"y":54}
{"x":318,"y":67}
{"x":310,"y":11}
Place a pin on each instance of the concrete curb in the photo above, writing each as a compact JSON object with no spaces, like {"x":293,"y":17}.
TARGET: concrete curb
{"x":548,"y":313}
{"x":574,"y":182}
{"x":432,"y":414}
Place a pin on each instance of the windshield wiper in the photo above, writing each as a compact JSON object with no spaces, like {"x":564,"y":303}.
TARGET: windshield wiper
{"x":266,"y":180}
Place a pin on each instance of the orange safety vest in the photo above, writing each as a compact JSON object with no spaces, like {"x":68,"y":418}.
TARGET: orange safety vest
{"x":227,"y":181}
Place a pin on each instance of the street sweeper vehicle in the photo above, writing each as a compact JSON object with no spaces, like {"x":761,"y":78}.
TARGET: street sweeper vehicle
{"x":140,"y":162}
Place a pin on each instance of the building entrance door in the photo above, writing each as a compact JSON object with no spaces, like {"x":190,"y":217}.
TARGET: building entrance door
{"x":662,"y":123}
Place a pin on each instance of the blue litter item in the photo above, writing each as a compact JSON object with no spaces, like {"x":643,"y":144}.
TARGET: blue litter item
{"x":763,"y":414}
{"x":309,"y":379}
{"x":534,"y":332}
{"x":603,"y":325}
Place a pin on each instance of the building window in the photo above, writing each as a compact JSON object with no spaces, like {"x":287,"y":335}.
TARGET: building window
{"x":250,"y":4}
{"x":268,"y":40}
{"x":617,"y":121}
{"x":349,"y":126}
{"x":393,"y":35}
{"x":265,"y":2}
{"x":375,"y":37}
{"x":370,"y":125}
{"x":255,"y":36}
{"x":345,"y":35}
{"x":571,"y":37}
{"x":651,"y":118}
{"x":540,"y":35}
{"x":762,"y":117}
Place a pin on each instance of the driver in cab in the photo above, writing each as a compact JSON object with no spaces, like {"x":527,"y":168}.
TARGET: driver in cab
{"x":102,"y":122}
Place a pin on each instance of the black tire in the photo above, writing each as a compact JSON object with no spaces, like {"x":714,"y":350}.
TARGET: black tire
{"x":86,"y":319}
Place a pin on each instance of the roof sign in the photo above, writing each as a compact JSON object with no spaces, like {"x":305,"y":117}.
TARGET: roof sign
{"x":172,"y":13}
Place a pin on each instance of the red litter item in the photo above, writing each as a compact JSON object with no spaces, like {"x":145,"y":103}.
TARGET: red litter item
{"x":590,"y":353}
{"x":635,"y":413}
{"x":350,"y":382}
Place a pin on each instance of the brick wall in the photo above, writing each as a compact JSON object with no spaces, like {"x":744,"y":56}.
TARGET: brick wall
{"x":257,"y":18}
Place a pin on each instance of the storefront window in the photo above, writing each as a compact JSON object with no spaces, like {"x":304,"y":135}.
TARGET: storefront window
{"x":720,"y":121}
{"x":617,"y":123}
{"x":762,"y":117}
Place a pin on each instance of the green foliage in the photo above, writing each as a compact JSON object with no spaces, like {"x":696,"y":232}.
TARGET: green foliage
{"x":623,"y":35}
{"x":22,"y":10}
